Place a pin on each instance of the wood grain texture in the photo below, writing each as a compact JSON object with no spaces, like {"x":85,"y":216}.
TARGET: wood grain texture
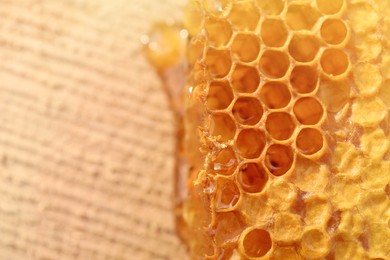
{"x":86,"y":135}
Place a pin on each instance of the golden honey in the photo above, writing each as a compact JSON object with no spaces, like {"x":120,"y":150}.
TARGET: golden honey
{"x":286,"y":130}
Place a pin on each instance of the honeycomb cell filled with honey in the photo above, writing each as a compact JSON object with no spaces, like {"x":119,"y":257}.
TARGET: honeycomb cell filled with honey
{"x":287,"y":130}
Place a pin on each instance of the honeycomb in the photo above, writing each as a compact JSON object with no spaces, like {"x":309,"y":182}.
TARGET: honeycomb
{"x":286,"y":121}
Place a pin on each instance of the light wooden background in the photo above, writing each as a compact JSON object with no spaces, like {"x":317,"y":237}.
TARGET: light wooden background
{"x":86,"y":135}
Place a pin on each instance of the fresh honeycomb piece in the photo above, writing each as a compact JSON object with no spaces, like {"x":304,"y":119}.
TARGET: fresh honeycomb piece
{"x":286,"y":124}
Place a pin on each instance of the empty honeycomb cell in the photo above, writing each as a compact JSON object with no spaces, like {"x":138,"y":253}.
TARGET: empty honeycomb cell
{"x":274,"y":32}
{"x":274,"y":63}
{"x":362,"y":17}
{"x":368,"y":112}
{"x":304,"y":79}
{"x":227,"y":194}
{"x":256,"y":242}
{"x":229,"y":226}
{"x":310,"y":176}
{"x":222,"y":126}
{"x":374,"y":144}
{"x":333,"y":31}
{"x":334,"y":62}
{"x":275,"y":95}
{"x":271,"y":7}
{"x":252,"y":177}
{"x":247,"y":9}
{"x":308,"y":110}
{"x":287,"y":228}
{"x":314,"y":244}
{"x":218,"y":62}
{"x":279,"y":159}
{"x":280,"y":125}
{"x":317,"y":209}
{"x":247,"y":110}
{"x":281,"y":194}
{"x":217,"y":7}
{"x":219,"y":95}
{"x":245,"y":47}
{"x":309,"y":141}
{"x":289,"y":253}
{"x":245,"y":78}
{"x":368,"y":78}
{"x":329,"y":7}
{"x":250,"y":143}
{"x":224,"y":162}
{"x":334,"y":94}
{"x":218,"y":31}
{"x":301,"y":16}
{"x":303,"y":47}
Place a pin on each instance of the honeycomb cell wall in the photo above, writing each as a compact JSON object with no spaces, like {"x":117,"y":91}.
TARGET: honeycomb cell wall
{"x":288,"y":130}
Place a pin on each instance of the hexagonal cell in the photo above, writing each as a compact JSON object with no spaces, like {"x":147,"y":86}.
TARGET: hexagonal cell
{"x":245,"y":47}
{"x":227,"y":194}
{"x":275,"y":95}
{"x":304,"y":47}
{"x":250,"y":143}
{"x":280,"y":125}
{"x":314,"y":243}
{"x":247,"y":110}
{"x":317,"y":209}
{"x":256,"y":242}
{"x":279,"y":159}
{"x":247,"y":9}
{"x":308,"y":110}
{"x":368,"y":78}
{"x":274,"y":32}
{"x":301,"y":16}
{"x":309,"y":141}
{"x":220,"y":95}
{"x":333,"y":31}
{"x":217,"y":7}
{"x":245,"y":78}
{"x":330,"y":7}
{"x":229,"y":226}
{"x":287,"y":228}
{"x":304,"y":79}
{"x":222,"y":126}
{"x":334,"y":94}
{"x":274,"y":63}
{"x":273,"y":7}
{"x":334,"y":62}
{"x":218,"y":62}
{"x":252,"y":177}
{"x":223,"y":162}
{"x":218,"y":31}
